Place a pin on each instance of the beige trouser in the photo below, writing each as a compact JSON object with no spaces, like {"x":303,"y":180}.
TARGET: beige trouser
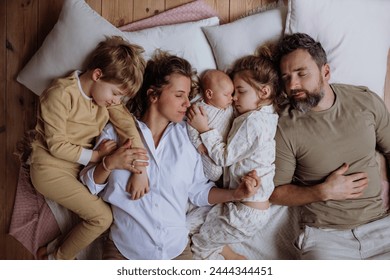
{"x":370,"y":241}
{"x":111,"y":252}
{"x":62,"y":186}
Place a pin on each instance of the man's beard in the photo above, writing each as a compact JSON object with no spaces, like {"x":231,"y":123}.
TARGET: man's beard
{"x":305,"y":104}
{"x":309,"y":101}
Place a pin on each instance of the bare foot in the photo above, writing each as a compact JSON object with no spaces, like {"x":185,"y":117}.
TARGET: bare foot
{"x":229,"y":254}
{"x":42,"y":253}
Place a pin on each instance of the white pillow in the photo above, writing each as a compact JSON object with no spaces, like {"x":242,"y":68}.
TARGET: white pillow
{"x":233,"y":40}
{"x":79,"y":29}
{"x":354,"y":33}
{"x":183,"y":39}
{"x":77,"y":32}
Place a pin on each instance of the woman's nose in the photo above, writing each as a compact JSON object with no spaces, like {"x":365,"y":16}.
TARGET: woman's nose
{"x":187,"y":102}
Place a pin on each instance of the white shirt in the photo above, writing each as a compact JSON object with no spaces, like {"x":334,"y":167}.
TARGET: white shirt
{"x":154,"y":227}
{"x":250,"y":146}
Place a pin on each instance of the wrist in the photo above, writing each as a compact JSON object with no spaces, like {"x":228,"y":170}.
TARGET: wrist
{"x":106,"y":165}
{"x":204,"y":129}
{"x":234,"y":197}
{"x":319,"y":192}
{"x":95,"y":156}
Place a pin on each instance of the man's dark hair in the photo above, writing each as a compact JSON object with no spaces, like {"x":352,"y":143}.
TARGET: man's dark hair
{"x":290,"y":43}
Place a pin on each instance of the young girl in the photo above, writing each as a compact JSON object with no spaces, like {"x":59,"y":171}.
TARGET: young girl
{"x":154,"y":227}
{"x":72,"y":112}
{"x":250,"y":146}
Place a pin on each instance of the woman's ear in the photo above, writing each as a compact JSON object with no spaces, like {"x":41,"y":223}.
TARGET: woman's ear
{"x":97,"y":74}
{"x":152,"y":96}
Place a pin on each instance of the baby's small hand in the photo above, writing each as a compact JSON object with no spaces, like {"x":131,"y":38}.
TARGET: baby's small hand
{"x":202,"y":149}
{"x":197,"y":118}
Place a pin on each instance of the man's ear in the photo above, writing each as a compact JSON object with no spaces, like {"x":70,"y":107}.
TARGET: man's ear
{"x":97,"y":74}
{"x":326,"y":72}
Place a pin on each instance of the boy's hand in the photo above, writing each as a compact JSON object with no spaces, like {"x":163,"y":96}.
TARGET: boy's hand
{"x":138,"y":185}
{"x":105,"y":148}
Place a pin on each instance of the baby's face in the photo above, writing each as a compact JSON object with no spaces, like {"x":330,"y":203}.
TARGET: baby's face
{"x":222,"y":97}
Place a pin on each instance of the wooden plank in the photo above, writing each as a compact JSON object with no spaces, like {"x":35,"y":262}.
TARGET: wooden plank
{"x":118,"y":12}
{"x":223,"y":9}
{"x":169,"y":4}
{"x":20,"y":102}
{"x":143,"y":9}
{"x":96,"y":5}
{"x":3,"y":138}
{"x":239,"y":8}
{"x":50,"y":10}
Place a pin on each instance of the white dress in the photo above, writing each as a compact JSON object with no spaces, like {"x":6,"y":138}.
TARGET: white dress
{"x":250,"y":146}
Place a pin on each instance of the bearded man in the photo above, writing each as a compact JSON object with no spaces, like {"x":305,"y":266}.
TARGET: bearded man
{"x":325,"y":157}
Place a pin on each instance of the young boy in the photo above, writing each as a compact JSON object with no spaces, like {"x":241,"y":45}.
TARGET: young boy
{"x":73,"y":111}
{"x":217,"y":88}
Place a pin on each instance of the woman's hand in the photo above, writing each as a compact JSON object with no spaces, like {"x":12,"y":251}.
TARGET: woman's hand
{"x":197,"y":118}
{"x":127,"y":158}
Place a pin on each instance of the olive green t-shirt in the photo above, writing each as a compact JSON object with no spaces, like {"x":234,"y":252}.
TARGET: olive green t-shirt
{"x":309,"y":146}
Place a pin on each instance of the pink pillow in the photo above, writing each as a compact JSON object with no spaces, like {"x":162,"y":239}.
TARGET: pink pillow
{"x":33,"y":223}
{"x":192,"y":11}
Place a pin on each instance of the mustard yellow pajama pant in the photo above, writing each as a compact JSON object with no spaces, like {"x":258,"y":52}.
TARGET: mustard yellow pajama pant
{"x":62,"y":186}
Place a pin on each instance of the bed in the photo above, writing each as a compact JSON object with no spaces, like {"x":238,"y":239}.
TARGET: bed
{"x":336,"y":24}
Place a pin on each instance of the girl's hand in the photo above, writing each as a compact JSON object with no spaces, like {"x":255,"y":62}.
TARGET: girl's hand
{"x":197,"y":118}
{"x":250,"y":184}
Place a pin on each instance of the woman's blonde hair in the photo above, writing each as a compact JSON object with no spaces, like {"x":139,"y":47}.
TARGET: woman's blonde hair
{"x":121,"y":63}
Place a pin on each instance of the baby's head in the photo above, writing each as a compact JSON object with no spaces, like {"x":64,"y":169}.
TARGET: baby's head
{"x":217,"y":88}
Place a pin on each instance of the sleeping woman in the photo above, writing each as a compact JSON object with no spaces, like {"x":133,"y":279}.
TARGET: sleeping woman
{"x":154,"y":227}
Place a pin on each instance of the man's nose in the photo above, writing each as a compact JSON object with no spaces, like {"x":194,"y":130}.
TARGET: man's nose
{"x":293,"y":83}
